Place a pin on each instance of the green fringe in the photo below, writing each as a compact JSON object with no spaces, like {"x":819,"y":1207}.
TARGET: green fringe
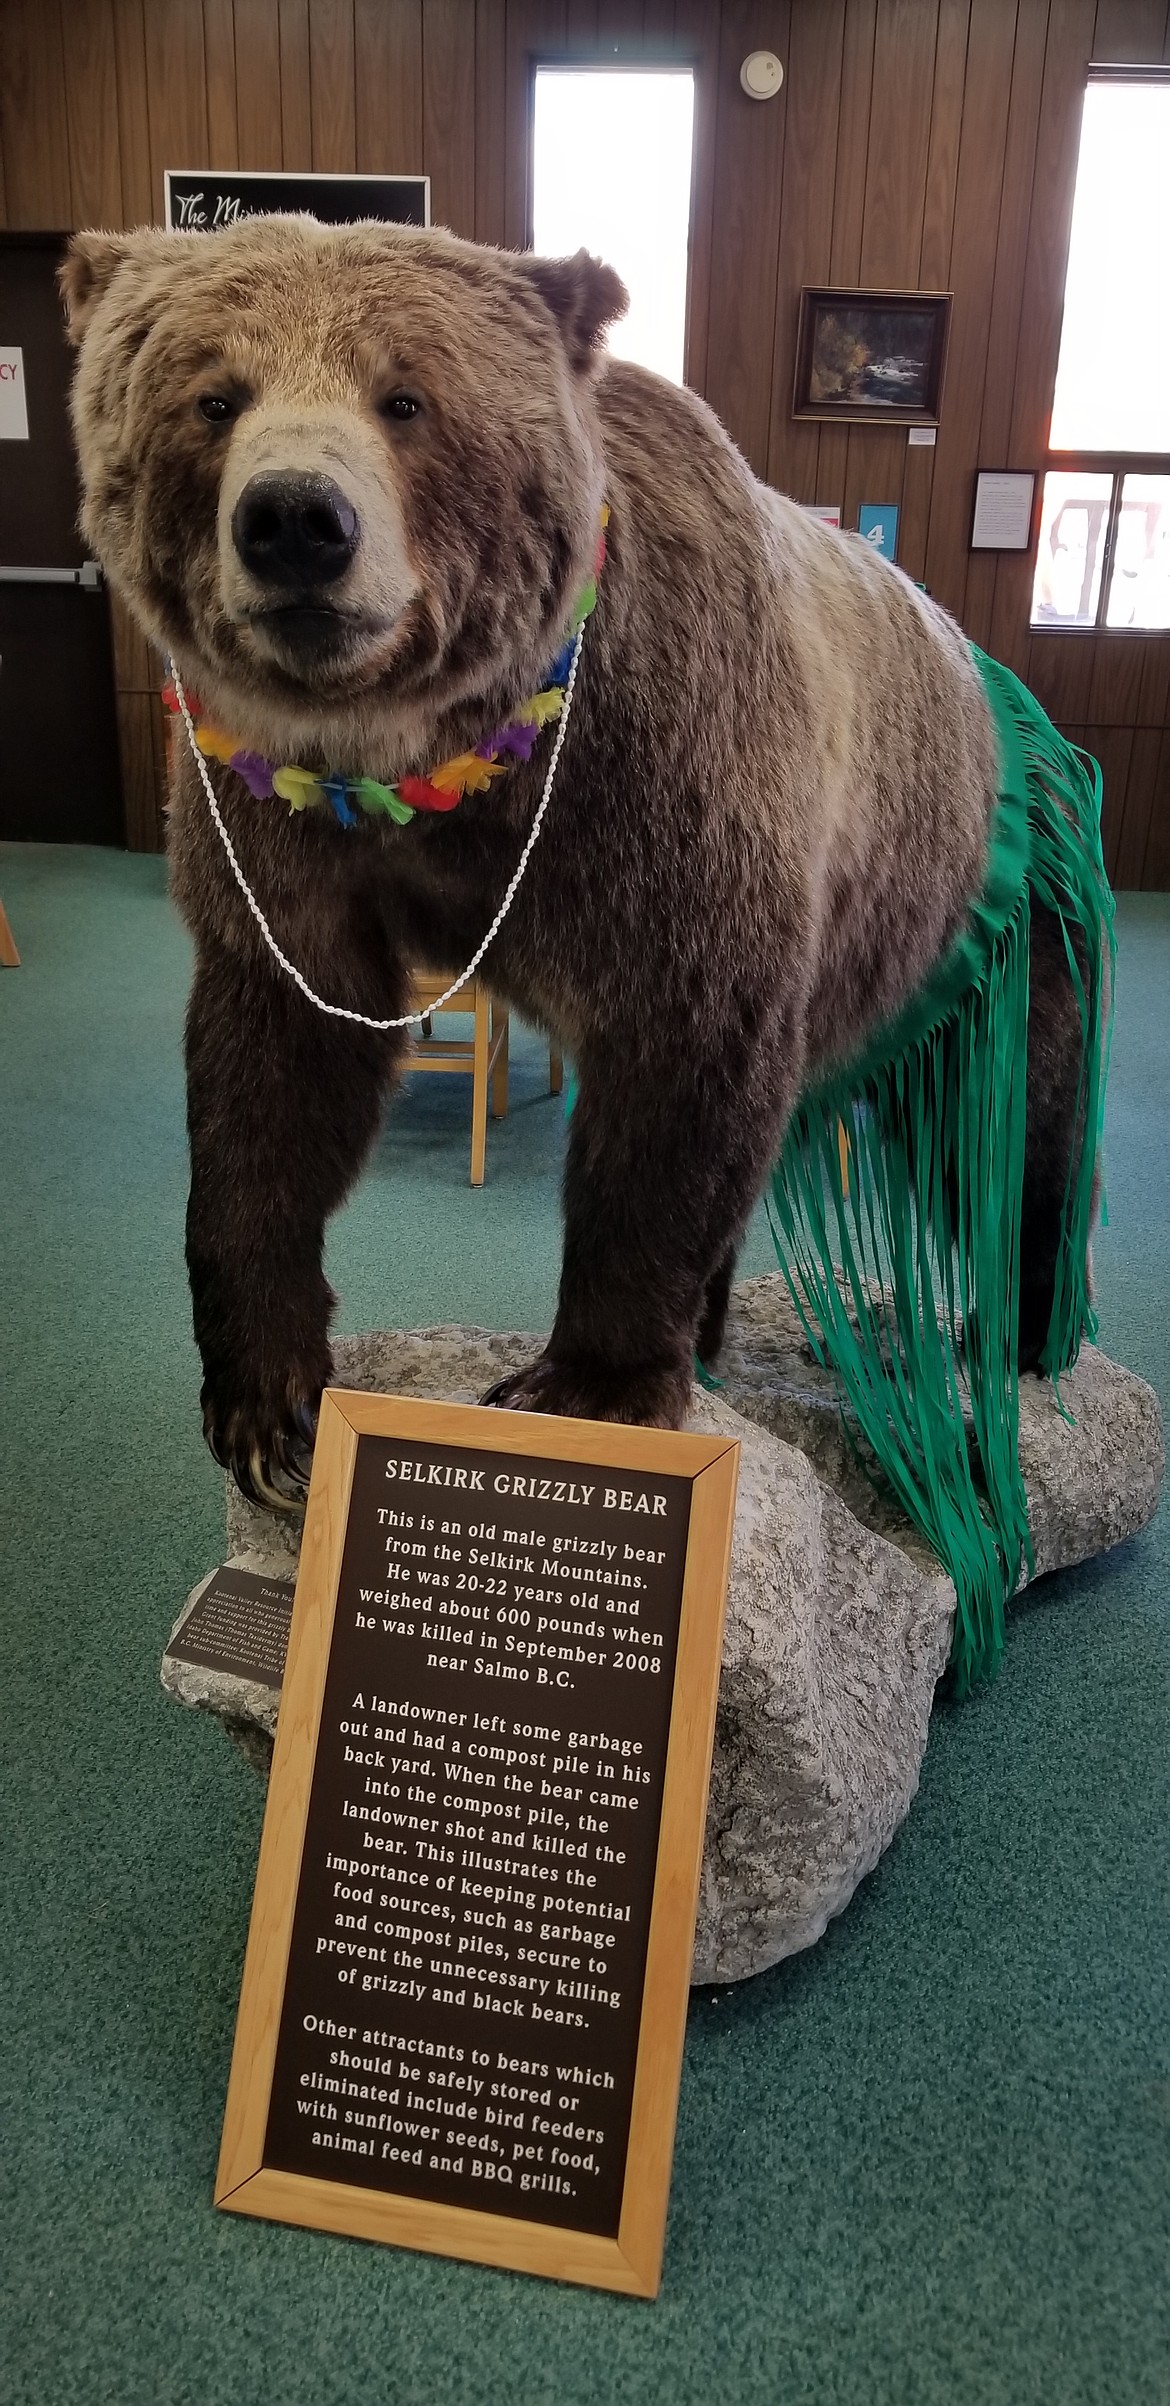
{"x":905,"y":1271}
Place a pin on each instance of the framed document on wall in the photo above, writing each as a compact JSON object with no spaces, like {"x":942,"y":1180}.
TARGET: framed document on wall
{"x":465,"y":1992}
{"x":1005,"y":499}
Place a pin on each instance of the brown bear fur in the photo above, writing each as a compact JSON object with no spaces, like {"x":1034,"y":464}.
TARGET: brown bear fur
{"x":769,"y":816}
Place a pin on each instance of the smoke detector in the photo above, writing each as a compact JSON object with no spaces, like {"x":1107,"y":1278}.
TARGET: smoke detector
{"x":761,"y":74}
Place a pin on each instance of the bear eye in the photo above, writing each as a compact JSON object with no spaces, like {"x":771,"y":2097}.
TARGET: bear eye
{"x":400,"y":407}
{"x":216,"y":408}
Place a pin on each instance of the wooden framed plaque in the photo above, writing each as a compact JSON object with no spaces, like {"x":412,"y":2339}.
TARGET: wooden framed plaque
{"x":464,"y":1996}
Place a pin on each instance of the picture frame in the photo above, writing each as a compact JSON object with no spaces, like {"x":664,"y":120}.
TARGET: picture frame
{"x":871,"y":358}
{"x":1003,"y":513}
{"x":618,"y":2249}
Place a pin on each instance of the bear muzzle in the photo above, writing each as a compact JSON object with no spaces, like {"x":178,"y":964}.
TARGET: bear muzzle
{"x":295,"y":532}
{"x":314,"y":569}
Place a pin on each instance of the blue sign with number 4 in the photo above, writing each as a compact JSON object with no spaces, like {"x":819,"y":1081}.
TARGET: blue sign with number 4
{"x":878,"y":522}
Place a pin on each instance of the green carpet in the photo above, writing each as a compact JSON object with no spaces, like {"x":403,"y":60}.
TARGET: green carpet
{"x":926,"y":2162}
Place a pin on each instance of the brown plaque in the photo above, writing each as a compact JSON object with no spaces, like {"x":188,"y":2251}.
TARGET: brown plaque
{"x":464,"y":1997}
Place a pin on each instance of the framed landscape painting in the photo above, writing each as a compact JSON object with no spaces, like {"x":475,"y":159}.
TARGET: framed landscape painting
{"x":871,"y":357}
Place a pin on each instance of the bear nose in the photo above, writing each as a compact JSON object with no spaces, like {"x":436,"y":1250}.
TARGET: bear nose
{"x":294,"y":530}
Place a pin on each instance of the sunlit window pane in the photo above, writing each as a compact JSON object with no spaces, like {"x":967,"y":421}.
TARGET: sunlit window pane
{"x":612,"y":171}
{"x":1139,"y":586}
{"x":1073,"y":525}
{"x":1113,"y":381}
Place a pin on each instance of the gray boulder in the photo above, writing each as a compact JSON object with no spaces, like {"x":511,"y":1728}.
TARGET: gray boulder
{"x":1092,"y":1457}
{"x":838,"y":1619}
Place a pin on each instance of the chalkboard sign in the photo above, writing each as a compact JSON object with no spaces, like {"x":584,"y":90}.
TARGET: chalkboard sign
{"x":200,"y":200}
{"x":464,"y":1998}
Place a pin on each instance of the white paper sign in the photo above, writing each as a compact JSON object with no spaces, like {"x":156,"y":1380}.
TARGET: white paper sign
{"x":1003,"y":509}
{"x":13,"y":407}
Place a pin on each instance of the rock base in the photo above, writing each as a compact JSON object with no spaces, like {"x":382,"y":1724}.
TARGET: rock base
{"x":838,"y":1619}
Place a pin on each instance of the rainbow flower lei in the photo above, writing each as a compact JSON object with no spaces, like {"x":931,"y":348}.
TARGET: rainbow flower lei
{"x":444,"y":788}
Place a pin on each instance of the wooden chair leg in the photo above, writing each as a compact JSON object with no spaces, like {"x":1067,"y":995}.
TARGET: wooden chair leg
{"x":843,"y":1154}
{"x":9,"y":956}
{"x":479,"y":1084}
{"x":500,"y":1072}
{"x":556,"y":1069}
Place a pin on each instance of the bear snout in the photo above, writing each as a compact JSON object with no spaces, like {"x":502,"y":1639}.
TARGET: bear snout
{"x":294,"y":531}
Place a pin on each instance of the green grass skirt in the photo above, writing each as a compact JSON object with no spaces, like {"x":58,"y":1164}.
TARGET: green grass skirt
{"x":901,"y":1245}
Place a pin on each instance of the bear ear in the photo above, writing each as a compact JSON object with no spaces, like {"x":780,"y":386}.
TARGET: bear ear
{"x":584,"y":296}
{"x":87,"y":268}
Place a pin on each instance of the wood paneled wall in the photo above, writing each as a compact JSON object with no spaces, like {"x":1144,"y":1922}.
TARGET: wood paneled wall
{"x":921,"y":143}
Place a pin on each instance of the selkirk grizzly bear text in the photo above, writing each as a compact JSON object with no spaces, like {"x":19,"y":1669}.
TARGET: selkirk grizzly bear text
{"x":351,"y":479}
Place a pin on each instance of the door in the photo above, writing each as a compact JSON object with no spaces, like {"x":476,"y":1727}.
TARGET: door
{"x":59,"y":773}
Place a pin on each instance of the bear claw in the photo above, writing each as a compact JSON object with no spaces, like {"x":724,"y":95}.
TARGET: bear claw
{"x":643,"y":1398}
{"x":270,"y":1467}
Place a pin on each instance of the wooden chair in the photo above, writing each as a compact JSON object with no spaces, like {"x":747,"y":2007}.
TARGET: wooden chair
{"x":484,"y":1054}
{"x":9,"y":956}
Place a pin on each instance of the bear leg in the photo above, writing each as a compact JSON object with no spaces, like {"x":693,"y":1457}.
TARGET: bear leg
{"x":282,"y":1105}
{"x":659,"y":1181}
{"x":709,"y":1341}
{"x":1055,"y":1130}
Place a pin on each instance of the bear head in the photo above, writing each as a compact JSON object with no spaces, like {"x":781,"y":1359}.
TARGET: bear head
{"x":349,"y":477}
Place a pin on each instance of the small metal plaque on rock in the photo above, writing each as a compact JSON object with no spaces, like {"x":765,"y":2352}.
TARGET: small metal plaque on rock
{"x":239,"y":1622}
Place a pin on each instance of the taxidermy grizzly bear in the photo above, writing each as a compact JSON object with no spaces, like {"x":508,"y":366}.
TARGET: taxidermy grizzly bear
{"x":352,"y":481}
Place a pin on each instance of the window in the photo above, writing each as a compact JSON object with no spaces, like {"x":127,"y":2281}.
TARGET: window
{"x":1139,"y":588}
{"x":611,"y":170}
{"x":1073,"y":523}
{"x":1104,"y":555}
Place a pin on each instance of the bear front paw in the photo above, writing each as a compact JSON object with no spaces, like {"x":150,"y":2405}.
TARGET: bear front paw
{"x":268,"y":1450}
{"x":652,"y":1397}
